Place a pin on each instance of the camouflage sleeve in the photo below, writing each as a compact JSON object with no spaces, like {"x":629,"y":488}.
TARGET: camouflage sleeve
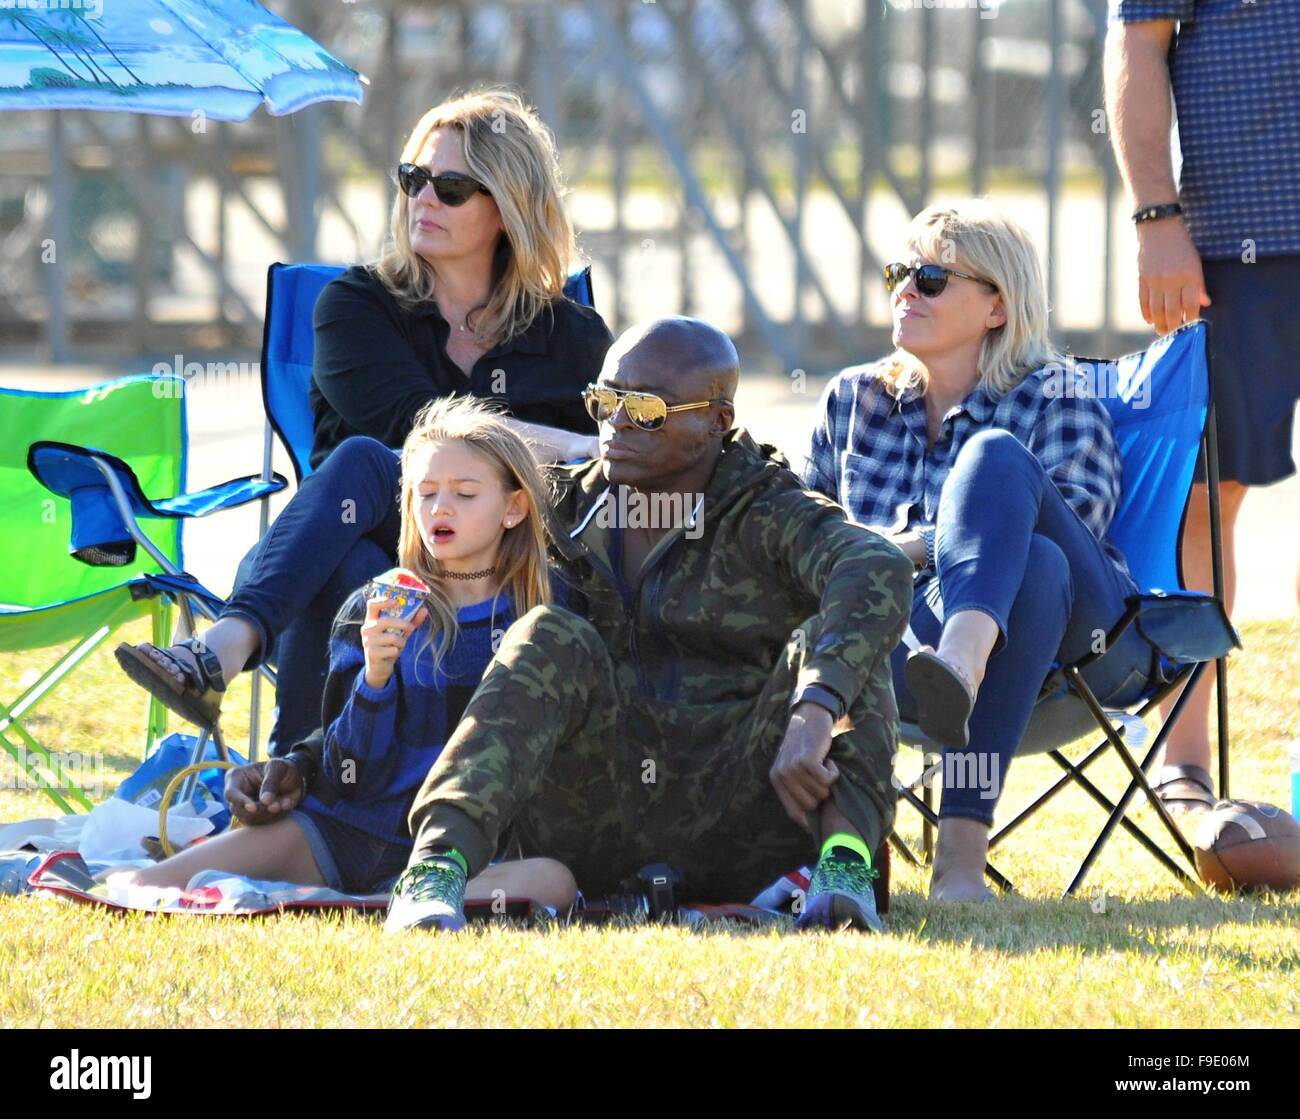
{"x":863,"y":582}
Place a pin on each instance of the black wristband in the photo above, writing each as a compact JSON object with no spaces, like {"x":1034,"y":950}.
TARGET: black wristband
{"x":305,"y":764}
{"x":1155,"y":213}
{"x":823,"y":696}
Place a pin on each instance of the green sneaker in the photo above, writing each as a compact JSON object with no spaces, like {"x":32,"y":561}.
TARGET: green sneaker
{"x":428,"y":896}
{"x":840,"y":895}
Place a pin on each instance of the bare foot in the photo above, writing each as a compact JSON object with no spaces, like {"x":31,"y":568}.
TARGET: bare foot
{"x":232,"y":639}
{"x":180,"y":652}
{"x":959,"y":860}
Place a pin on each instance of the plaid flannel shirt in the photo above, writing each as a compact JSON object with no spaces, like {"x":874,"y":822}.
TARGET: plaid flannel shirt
{"x":869,"y":447}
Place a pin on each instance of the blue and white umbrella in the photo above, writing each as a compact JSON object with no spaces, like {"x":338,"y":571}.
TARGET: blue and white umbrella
{"x":223,"y":58}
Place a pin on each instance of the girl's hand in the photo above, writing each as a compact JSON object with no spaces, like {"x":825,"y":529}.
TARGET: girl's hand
{"x":382,"y":639}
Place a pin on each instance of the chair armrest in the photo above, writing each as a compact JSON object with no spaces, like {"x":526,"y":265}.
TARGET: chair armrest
{"x":107,"y":500}
{"x":227,"y":495}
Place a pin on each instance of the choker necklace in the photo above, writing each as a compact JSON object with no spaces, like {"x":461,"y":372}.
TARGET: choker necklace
{"x":468,"y":574}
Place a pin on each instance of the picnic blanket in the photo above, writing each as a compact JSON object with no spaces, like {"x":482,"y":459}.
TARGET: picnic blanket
{"x":219,"y":893}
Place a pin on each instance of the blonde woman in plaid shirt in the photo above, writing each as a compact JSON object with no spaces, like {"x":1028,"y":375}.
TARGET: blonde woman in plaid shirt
{"x":978,"y":449}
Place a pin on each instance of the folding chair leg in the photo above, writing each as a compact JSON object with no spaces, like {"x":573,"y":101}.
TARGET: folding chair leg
{"x":196,"y":756}
{"x":903,"y":849}
{"x":11,"y":721}
{"x":927,"y":830}
{"x":1210,"y":444}
{"x":1139,"y":780}
{"x":1152,"y":848}
{"x":156,"y":722}
{"x":1050,"y":791}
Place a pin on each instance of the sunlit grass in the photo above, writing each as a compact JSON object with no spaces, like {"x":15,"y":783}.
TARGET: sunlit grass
{"x":1135,"y":951}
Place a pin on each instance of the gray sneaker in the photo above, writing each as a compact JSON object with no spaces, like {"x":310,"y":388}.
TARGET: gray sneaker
{"x":840,"y":896}
{"x":428,"y":896}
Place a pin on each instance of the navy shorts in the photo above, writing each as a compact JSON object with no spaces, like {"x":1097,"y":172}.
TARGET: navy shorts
{"x":351,"y":860}
{"x":1254,"y":322}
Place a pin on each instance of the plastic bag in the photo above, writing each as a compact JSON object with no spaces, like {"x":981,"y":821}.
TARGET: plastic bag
{"x":145,"y":787}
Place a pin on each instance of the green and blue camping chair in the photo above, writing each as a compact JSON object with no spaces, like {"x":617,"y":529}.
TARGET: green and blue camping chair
{"x":76,"y":481}
{"x":1159,"y":404}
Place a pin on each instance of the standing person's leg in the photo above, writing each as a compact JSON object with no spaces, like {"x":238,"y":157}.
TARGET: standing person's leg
{"x":1032,"y":583}
{"x":352,"y":497}
{"x":1255,"y":375}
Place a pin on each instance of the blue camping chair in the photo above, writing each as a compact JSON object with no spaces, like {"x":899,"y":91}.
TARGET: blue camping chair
{"x":288,"y":347}
{"x":1159,"y":404}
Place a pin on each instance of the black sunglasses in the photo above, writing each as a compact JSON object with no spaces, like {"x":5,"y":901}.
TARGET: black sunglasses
{"x":451,"y":187}
{"x":931,"y":279}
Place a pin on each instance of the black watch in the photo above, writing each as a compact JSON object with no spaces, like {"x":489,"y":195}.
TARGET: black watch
{"x":823,"y":696}
{"x":305,"y":764}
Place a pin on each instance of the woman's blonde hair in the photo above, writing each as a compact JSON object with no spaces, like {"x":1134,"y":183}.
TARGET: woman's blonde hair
{"x":521,"y":568}
{"x":509,"y":150}
{"x":975,"y":237}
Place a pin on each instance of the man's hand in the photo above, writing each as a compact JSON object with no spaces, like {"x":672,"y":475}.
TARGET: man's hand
{"x":802,"y":773}
{"x":1171,"y":284}
{"x":263,"y":792}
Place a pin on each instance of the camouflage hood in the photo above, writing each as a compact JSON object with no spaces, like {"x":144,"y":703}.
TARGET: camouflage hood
{"x":719,"y":597}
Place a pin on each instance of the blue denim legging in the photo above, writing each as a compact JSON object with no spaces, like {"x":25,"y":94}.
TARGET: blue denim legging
{"x":1009,"y":545}
{"x":338,"y":531}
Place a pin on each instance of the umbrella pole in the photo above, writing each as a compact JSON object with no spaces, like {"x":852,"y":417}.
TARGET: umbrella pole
{"x":57,"y":249}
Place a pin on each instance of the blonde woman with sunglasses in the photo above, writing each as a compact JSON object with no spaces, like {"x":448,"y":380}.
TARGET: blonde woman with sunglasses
{"x":978,"y":449}
{"x":467,"y":299}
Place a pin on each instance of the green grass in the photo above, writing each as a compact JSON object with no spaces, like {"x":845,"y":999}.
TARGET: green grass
{"x":1155,"y":956}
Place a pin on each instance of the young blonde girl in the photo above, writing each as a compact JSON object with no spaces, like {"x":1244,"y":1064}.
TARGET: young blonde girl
{"x":470,"y":497}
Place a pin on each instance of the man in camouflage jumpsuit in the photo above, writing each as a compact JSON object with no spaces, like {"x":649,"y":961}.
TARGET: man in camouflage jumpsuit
{"x":683,"y":708}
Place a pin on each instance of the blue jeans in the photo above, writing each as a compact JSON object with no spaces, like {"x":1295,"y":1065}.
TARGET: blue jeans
{"x":338,"y":531}
{"x":1008,"y":544}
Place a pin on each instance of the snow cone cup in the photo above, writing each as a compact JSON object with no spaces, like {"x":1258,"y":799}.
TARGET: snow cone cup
{"x":407,"y":591}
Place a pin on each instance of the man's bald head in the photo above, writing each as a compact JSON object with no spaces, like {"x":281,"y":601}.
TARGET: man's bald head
{"x":695,"y":358}
{"x":682,"y":361}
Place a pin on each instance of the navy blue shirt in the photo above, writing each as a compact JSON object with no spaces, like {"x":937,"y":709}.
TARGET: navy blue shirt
{"x":1235,"y":70}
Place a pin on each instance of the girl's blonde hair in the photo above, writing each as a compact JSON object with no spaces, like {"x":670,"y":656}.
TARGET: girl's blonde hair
{"x":975,"y":237}
{"x":521,"y":568}
{"x":509,"y":150}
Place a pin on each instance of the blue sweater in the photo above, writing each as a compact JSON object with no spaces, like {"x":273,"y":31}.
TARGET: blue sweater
{"x":380,"y":744}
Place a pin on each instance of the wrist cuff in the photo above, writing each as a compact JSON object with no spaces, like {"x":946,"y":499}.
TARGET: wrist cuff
{"x":1155,"y":213}
{"x":821,"y":695}
{"x":305,"y":764}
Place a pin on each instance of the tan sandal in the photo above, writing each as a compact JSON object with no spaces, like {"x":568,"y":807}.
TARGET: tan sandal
{"x":944,"y":697}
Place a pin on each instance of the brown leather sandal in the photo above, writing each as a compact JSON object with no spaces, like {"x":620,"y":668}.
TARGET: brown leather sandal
{"x":198,"y":699}
{"x":1180,"y":801}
